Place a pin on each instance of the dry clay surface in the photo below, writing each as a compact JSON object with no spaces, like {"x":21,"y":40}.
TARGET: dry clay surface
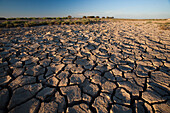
{"x":116,"y":67}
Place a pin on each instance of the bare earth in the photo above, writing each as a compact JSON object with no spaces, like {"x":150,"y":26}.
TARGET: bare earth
{"x":114,"y":67}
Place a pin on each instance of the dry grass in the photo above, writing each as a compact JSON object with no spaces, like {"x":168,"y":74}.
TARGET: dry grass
{"x":58,"y":21}
{"x":165,"y":26}
{"x":28,"y":22}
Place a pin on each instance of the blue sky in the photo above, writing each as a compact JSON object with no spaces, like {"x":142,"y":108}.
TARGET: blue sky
{"x":79,"y":8}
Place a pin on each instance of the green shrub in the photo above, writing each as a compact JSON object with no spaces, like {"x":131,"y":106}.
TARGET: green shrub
{"x":16,"y":25}
{"x":85,"y":22}
{"x":64,"y":17}
{"x":58,"y":22}
{"x":47,"y":18}
{"x":21,"y":18}
{"x":109,"y":17}
{"x":29,"y":24}
{"x":26,"y":25}
{"x":78,"y":22}
{"x":97,"y":17}
{"x":58,"y":18}
{"x":43,"y":23}
{"x":84,"y":16}
{"x":44,"y":18}
{"x":2,"y":18}
{"x":18,"y":22}
{"x":51,"y":22}
{"x":6,"y":22}
{"x":32,"y":18}
{"x":18,"y":18}
{"x":11,"y":18}
{"x":71,"y":23}
{"x":9,"y":25}
{"x":32,"y":23}
{"x":90,"y":16}
{"x":52,"y":18}
{"x":67,"y":23}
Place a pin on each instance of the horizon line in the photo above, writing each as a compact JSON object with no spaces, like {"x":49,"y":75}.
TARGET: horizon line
{"x":77,"y":17}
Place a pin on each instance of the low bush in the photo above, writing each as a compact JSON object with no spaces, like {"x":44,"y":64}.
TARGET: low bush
{"x":2,"y":18}
{"x":109,"y":17}
{"x":79,"y":21}
{"x":29,"y":24}
{"x":48,"y":18}
{"x":71,"y":23}
{"x":6,"y":22}
{"x":64,"y":17}
{"x":9,"y":25}
{"x":26,"y":25}
{"x":11,"y":18}
{"x":16,"y":25}
{"x":85,"y":22}
{"x":58,"y":18}
{"x":90,"y":16}
{"x":43,"y":23}
{"x":32,"y":18}
{"x":32,"y":23}
{"x":58,"y":22}
{"x":53,"y":22}
{"x":19,"y":18}
{"x":18,"y":22}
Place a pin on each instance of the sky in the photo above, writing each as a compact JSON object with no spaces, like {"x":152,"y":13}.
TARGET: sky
{"x":137,"y":9}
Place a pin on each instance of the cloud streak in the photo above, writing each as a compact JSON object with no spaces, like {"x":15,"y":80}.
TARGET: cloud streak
{"x":120,"y":14}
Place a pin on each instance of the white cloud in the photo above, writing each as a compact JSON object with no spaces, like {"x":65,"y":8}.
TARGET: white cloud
{"x":121,"y":14}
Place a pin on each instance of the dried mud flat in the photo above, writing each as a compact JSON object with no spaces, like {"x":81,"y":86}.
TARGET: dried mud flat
{"x":111,"y":67}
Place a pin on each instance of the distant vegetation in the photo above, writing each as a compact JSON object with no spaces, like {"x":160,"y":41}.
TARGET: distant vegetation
{"x":90,"y":16}
{"x":32,"y":21}
{"x":69,"y":20}
{"x":109,"y":17}
{"x":19,"y":23}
